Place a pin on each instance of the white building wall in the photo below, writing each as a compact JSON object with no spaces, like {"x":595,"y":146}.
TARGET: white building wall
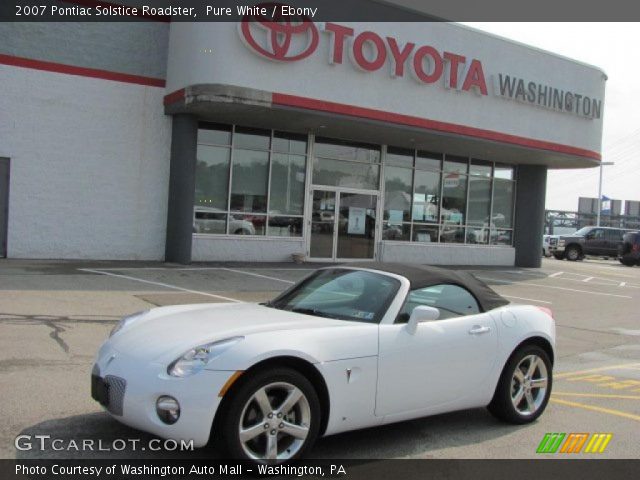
{"x":89,"y":166}
{"x":244,"y":249}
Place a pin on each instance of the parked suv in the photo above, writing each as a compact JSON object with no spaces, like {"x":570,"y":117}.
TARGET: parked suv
{"x":598,"y":241}
{"x":629,"y":251}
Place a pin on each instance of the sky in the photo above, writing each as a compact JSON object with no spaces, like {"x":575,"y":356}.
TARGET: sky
{"x":612,"y":47}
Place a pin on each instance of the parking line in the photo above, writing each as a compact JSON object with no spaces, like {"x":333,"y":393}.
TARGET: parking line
{"x":622,"y":284}
{"x":611,"y":270}
{"x":610,"y":411}
{"x":588,"y":279}
{"x":160,"y":284}
{"x":527,"y":299}
{"x":599,"y":369}
{"x":506,"y":282}
{"x":259,"y":275}
{"x":596,"y":395}
{"x":554,"y":275}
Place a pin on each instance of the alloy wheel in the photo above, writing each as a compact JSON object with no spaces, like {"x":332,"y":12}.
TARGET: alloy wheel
{"x":274,"y":422}
{"x":529,"y":385}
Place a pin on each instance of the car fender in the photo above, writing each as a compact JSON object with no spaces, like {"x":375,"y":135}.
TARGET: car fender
{"x":314,"y":345}
{"x":515,"y":325}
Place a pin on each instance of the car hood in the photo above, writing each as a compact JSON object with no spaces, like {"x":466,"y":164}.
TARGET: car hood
{"x":174,"y":330}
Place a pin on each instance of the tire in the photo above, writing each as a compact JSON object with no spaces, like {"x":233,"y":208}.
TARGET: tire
{"x":244,"y":412}
{"x":558,"y":256}
{"x":242,"y":231}
{"x":505,"y":404}
{"x":627,"y":263}
{"x":573,"y":253}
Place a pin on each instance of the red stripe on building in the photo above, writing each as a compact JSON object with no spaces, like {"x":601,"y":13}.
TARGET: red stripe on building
{"x":174,"y":97}
{"x":80,"y":71}
{"x":95,"y":3}
{"x":283,"y":99}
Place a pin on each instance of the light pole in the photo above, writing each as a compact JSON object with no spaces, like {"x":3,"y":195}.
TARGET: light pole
{"x":602,"y":164}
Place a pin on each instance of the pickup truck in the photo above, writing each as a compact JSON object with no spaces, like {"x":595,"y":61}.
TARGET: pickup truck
{"x":596,"y":241}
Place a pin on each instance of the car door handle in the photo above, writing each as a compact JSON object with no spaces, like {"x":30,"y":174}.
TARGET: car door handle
{"x":478,"y":330}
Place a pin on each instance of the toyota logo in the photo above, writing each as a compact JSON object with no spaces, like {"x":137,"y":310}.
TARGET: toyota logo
{"x":285,"y":39}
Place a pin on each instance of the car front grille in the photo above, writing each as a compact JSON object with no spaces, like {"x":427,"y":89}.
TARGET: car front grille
{"x":117,"y":387}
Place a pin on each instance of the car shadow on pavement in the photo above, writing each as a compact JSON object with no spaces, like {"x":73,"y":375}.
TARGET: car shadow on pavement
{"x":420,"y":438}
{"x":104,"y":438}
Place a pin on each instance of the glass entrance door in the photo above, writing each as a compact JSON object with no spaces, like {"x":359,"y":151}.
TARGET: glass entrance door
{"x":343,"y":225}
{"x":323,"y":219}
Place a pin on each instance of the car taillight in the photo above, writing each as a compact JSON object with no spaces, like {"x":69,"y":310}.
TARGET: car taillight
{"x":546,"y":310}
{"x":636,"y":247}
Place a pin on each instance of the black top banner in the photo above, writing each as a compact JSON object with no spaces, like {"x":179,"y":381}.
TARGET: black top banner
{"x":320,"y":10}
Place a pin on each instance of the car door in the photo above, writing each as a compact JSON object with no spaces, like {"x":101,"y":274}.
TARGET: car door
{"x":443,"y":362}
{"x":613,"y":241}
{"x":595,"y":242}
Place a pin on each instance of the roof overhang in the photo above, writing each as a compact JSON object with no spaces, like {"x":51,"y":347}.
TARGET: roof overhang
{"x":262,"y":109}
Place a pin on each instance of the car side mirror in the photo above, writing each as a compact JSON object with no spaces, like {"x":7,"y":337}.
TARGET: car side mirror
{"x":422,"y":313}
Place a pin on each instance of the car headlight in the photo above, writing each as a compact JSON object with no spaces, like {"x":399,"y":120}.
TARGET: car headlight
{"x":561,"y":243}
{"x":126,"y":321}
{"x":198,"y":357}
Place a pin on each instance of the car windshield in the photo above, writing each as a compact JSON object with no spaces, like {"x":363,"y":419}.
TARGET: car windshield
{"x":583,"y":231}
{"x":342,"y":294}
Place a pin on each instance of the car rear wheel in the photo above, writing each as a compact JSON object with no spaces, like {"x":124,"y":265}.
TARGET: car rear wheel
{"x":524,"y":388}
{"x":273,"y":417}
{"x":572,"y":253}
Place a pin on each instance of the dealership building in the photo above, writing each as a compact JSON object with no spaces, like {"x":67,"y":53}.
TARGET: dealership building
{"x":248,"y":141}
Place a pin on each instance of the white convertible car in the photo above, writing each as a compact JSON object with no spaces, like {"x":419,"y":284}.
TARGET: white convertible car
{"x":348,"y":347}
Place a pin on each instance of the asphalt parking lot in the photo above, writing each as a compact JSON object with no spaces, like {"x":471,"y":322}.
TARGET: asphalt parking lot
{"x":54,"y":316}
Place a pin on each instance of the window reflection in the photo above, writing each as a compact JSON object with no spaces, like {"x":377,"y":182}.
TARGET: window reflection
{"x":344,"y":150}
{"x":287,"y":184}
{"x":426,"y":196}
{"x":397,"y":200}
{"x":425,"y":233}
{"x":345,"y":174}
{"x":479,"y":201}
{"x":249,"y":181}
{"x":454,"y":199}
{"x":502,"y":203}
{"x":247,"y":224}
{"x":285,"y":226}
{"x":242,"y":209}
{"x":212,"y":176}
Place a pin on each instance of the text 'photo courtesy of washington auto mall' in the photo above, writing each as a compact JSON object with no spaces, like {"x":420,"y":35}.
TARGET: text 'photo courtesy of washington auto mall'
{"x":364,"y":239}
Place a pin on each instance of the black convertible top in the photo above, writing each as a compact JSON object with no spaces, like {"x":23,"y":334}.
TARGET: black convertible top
{"x":421,"y":276}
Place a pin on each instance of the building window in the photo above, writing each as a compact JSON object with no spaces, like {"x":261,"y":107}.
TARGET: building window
{"x":432,"y":197}
{"x":398,"y":185}
{"x":346,"y":164}
{"x":249,"y":181}
{"x":502,"y":206}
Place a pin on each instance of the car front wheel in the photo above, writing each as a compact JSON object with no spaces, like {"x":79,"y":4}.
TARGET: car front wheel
{"x":524,"y":388}
{"x":573,"y":254}
{"x":273,"y":417}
